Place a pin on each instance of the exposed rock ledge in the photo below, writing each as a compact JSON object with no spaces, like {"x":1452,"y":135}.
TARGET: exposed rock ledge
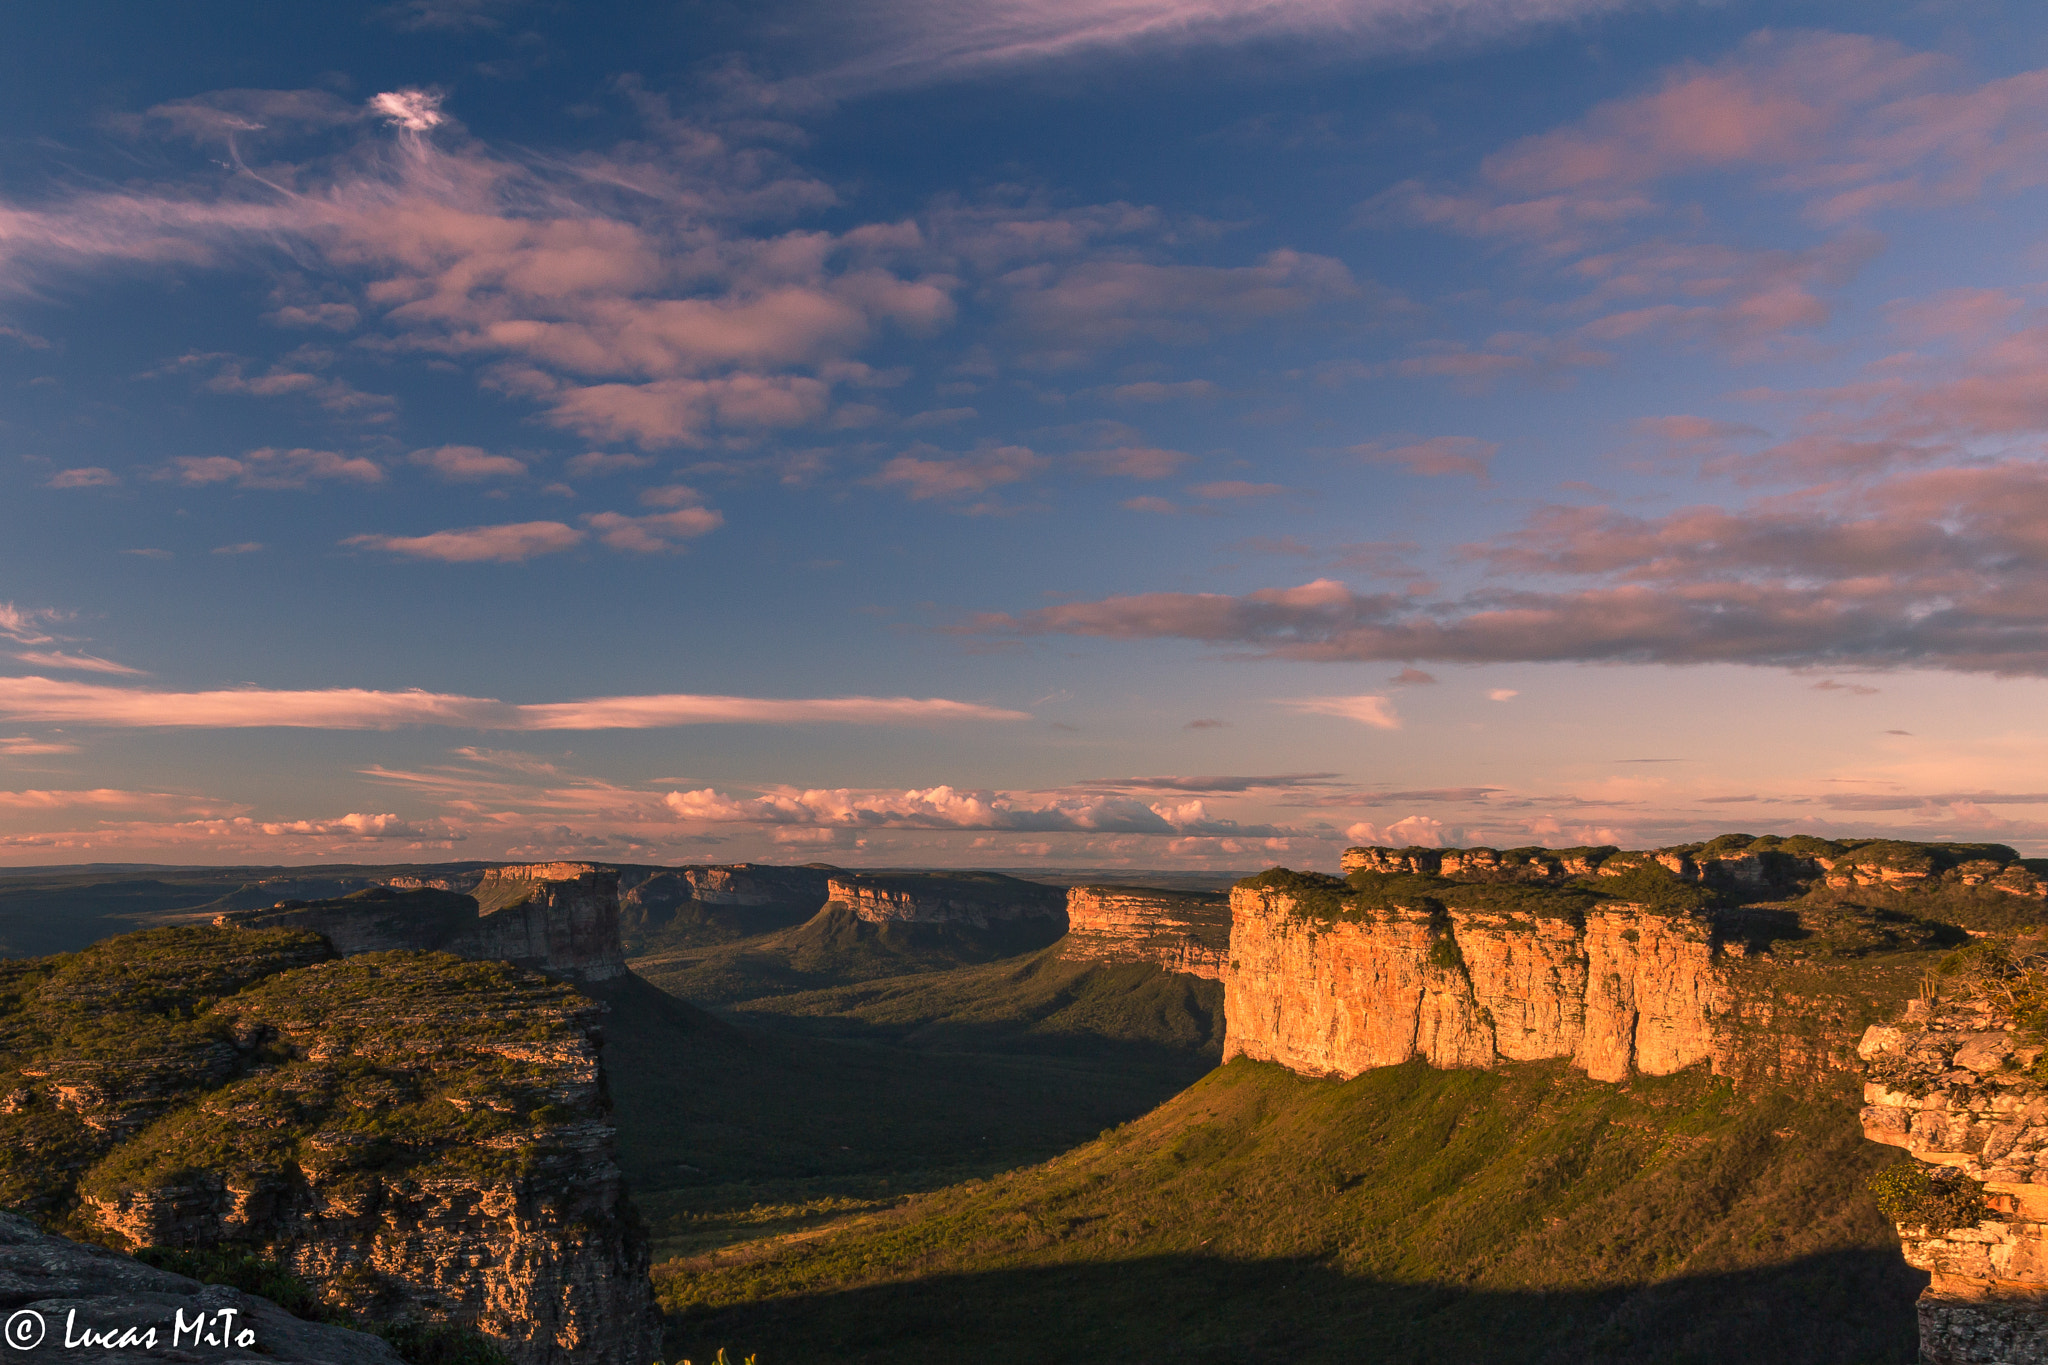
{"x":977,"y":899}
{"x":1953,"y":1085}
{"x":1181,"y":931}
{"x":53,"y":1285}
{"x":1630,"y":991}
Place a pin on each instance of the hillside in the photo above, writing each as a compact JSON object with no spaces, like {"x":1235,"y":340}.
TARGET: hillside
{"x":1412,"y":1215}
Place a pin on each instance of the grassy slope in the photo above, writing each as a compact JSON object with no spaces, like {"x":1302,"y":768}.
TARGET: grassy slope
{"x":1407,"y":1215}
{"x":833,"y":947}
{"x":726,"y":1132}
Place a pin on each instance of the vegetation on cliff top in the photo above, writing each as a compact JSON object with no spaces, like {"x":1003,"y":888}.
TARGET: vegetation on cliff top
{"x":200,"y":1057}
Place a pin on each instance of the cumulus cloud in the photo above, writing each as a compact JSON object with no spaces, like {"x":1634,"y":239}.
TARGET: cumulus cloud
{"x":1435,"y":457}
{"x":274,"y":468}
{"x":49,"y":701}
{"x":92,"y":476}
{"x":507,"y":544}
{"x":468,"y":463}
{"x":954,"y":808}
{"x":656,"y":533}
{"x":926,"y":473}
{"x":1417,"y":831}
{"x":605,"y":462}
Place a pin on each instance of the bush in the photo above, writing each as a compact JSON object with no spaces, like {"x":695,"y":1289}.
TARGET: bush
{"x":1912,"y":1196}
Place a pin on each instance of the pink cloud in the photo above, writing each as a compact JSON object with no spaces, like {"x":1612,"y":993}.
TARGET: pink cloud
{"x":467,"y":463}
{"x":602,"y":462}
{"x":90,"y":477}
{"x":507,"y":544}
{"x":923,"y":477}
{"x":1228,"y":490}
{"x":1377,"y":712}
{"x":1436,"y":457}
{"x":274,"y":468}
{"x":654,"y":534}
{"x":78,"y":663}
{"x":46,"y":701}
{"x":1133,"y":462}
{"x":955,"y":808}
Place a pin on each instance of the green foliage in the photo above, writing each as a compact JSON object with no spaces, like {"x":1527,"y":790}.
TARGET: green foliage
{"x":1654,"y":887}
{"x":1445,"y":953}
{"x":1406,"y":1215}
{"x":1941,"y":1200}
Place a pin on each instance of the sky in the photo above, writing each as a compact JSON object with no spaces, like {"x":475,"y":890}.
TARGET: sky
{"x":1025,"y":433}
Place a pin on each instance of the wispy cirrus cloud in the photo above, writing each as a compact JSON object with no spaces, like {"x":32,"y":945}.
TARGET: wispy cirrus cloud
{"x":49,"y":701}
{"x":914,"y":42}
{"x":78,"y":663}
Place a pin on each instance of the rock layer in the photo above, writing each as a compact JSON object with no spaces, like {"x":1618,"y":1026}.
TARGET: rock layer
{"x":58,"y":1290}
{"x":414,"y":1134}
{"x":1181,"y":931}
{"x":561,"y":918}
{"x":980,"y":900}
{"x":1627,"y":991}
{"x":1953,"y":1085}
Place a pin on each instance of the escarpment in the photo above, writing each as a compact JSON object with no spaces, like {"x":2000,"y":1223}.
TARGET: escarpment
{"x":553,"y":917}
{"x":416,"y":1135}
{"x":979,"y":900}
{"x":1765,"y":958}
{"x":1957,"y":1084}
{"x":1179,"y":930}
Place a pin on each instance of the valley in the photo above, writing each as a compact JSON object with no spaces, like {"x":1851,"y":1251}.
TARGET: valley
{"x":1526,"y":1106}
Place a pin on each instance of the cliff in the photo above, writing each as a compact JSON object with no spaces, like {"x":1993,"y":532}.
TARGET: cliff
{"x":561,"y":918}
{"x":1766,"y":958}
{"x":1957,"y":1083}
{"x":419,"y":1136}
{"x":980,"y":900}
{"x":1180,"y":931}
{"x":54,"y":1290}
{"x":691,"y":906}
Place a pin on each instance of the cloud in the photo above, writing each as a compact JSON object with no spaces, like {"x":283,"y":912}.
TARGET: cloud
{"x":954,"y":808}
{"x":1153,"y":391}
{"x":1942,"y":568}
{"x":1158,"y":506}
{"x":912,"y":42}
{"x":24,"y":746}
{"x":1206,"y":723}
{"x":1412,"y":677}
{"x":1133,"y":462}
{"x":923,"y":476}
{"x":1237,"y":490}
{"x":605,"y":462}
{"x":274,"y":468}
{"x":1853,"y":689}
{"x":1212,"y":785}
{"x":20,"y":624}
{"x":1435,"y":457}
{"x":78,"y":663}
{"x":1502,"y":694}
{"x":90,"y":477}
{"x":1377,"y":712}
{"x":245,"y":547}
{"x":106,"y":798}
{"x":508,"y":544}
{"x":468,"y":463}
{"x":1415,"y":831}
{"x":658,"y":533}
{"x":47,"y":701}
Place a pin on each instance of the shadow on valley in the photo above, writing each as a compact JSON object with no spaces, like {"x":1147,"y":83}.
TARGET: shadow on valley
{"x":1850,"y":1307}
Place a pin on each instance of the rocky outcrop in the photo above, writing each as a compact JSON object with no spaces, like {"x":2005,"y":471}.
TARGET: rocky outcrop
{"x":417,"y":1135}
{"x":61,"y":1295}
{"x":1954,"y":1084}
{"x":979,"y":900}
{"x":1618,"y":991}
{"x":752,"y":885}
{"x":561,"y":918}
{"x":1180,"y":931}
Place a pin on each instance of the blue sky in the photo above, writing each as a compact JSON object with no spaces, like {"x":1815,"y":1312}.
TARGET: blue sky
{"x":1158,"y":433}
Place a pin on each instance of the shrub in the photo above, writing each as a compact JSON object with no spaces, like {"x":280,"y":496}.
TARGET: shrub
{"x":1912,"y":1196}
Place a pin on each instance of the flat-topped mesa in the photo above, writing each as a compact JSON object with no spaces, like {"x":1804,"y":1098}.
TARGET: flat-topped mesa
{"x":561,"y":918}
{"x":1329,"y":982}
{"x":1739,"y":862}
{"x":980,"y":900}
{"x":1182,"y":931}
{"x":756,"y":884}
{"x":1957,"y":1085}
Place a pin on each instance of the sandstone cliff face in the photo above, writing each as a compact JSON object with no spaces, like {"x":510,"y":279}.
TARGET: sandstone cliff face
{"x":979,"y":900}
{"x":1181,"y":932}
{"x":1630,"y":991}
{"x":1953,"y":1085}
{"x":756,"y":884}
{"x":416,"y":1134}
{"x":561,"y":918}
{"x":71,"y":1290}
